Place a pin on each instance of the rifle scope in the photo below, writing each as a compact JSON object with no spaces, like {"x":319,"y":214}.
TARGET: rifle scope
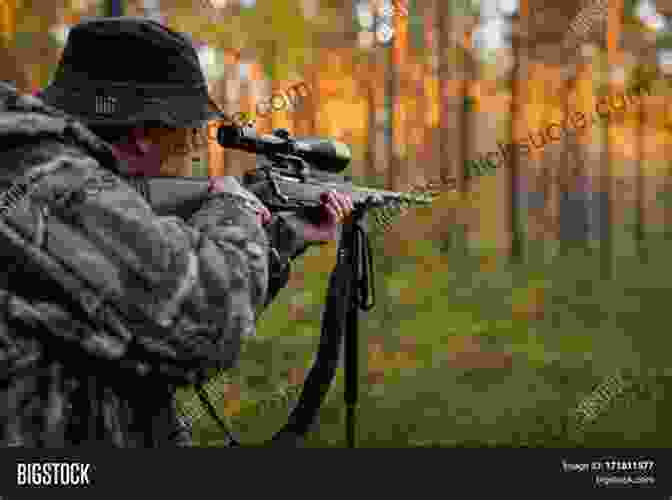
{"x":322,"y":154}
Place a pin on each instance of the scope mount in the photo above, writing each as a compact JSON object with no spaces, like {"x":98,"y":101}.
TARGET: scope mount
{"x":290,"y":165}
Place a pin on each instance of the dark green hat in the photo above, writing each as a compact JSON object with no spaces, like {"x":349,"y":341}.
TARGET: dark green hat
{"x":129,"y":71}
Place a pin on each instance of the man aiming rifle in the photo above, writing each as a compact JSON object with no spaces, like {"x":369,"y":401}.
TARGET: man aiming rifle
{"x":108,"y":306}
{"x":113,"y":298}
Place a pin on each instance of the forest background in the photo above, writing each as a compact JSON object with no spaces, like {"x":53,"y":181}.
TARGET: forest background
{"x":505,"y":306}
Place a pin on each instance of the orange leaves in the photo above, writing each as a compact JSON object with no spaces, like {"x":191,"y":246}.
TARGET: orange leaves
{"x":529,"y":304}
{"x":321,"y":261}
{"x":376,"y":361}
{"x":488,"y":263}
{"x":296,"y":280}
{"x":466,"y":353}
{"x":461,"y":345}
{"x":232,"y":402}
{"x":380,"y":360}
{"x":296,"y":376}
{"x":408,"y":344}
{"x":296,"y":311}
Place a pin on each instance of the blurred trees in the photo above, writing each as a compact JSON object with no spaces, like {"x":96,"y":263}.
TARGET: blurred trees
{"x":415,"y":91}
{"x":443,"y":104}
{"x":11,"y":69}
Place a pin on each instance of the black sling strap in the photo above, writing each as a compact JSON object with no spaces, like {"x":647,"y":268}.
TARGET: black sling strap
{"x":348,"y":292}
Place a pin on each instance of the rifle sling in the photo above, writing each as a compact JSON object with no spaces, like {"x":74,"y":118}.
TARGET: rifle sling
{"x":348,"y":291}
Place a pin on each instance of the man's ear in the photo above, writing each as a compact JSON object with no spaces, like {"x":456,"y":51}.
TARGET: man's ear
{"x":141,"y":138}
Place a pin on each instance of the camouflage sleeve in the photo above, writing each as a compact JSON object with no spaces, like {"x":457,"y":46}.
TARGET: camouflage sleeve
{"x":231,"y":223}
{"x":205,"y":279}
{"x":285,"y":234}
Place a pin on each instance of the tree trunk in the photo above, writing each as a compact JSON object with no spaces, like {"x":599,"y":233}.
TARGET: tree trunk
{"x":453,"y":133}
{"x":391,"y":97}
{"x":11,"y":71}
{"x":516,"y":248}
{"x":370,"y":154}
{"x":114,"y":8}
{"x":605,"y":191}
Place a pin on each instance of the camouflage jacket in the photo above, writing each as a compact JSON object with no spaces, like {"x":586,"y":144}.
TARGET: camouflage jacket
{"x":64,"y":382}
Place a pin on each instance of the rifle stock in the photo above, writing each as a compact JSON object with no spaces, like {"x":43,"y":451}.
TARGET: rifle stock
{"x":180,"y":196}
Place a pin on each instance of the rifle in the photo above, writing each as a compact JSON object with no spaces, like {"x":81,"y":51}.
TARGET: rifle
{"x":291,"y":175}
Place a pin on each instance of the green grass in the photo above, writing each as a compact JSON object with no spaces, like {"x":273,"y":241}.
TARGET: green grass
{"x":591,"y":329}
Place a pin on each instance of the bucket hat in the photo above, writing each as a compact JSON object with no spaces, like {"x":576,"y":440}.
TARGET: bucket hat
{"x":126,"y":71}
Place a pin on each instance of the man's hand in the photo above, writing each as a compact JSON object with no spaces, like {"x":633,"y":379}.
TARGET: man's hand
{"x":337,"y":207}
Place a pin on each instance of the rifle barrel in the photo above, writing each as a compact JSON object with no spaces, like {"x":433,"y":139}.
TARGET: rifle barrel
{"x":309,"y":192}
